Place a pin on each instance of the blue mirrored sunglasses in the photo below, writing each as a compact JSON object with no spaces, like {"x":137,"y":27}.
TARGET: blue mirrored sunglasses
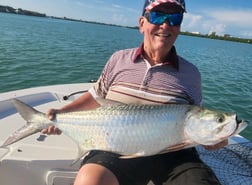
{"x":159,"y":18}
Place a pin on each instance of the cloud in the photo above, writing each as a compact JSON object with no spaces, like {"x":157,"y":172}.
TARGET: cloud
{"x":196,"y":23}
{"x":116,"y":6}
{"x":246,"y":33}
{"x":240,"y":18}
{"x":220,"y":21}
{"x":219,"y":29}
{"x":192,"y":20}
{"x":119,"y":18}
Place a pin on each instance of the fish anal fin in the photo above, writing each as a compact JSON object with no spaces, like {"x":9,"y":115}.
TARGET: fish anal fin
{"x":173,"y":148}
{"x":84,"y":153}
{"x":81,"y":153}
{"x":138,"y":154}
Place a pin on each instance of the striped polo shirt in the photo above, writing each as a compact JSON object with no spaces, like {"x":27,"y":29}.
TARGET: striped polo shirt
{"x":129,"y":78}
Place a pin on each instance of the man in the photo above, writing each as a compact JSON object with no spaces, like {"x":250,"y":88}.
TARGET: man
{"x":150,"y":74}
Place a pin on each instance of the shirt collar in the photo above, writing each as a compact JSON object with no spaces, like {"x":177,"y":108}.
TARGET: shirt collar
{"x":172,"y":58}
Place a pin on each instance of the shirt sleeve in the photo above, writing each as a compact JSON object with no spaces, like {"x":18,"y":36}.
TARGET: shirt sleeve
{"x":101,"y":87}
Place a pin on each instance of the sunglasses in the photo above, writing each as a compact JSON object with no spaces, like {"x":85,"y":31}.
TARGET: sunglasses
{"x":159,"y":18}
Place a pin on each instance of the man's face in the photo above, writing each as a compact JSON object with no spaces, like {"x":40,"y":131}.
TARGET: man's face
{"x":160,"y":37}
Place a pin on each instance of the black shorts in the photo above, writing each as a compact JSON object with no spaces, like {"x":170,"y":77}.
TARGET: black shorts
{"x":181,"y":167}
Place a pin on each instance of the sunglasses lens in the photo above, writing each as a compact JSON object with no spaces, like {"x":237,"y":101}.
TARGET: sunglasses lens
{"x":158,"y":18}
{"x":175,"y":19}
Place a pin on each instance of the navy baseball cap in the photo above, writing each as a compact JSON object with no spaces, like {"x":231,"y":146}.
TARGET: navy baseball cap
{"x":150,"y":4}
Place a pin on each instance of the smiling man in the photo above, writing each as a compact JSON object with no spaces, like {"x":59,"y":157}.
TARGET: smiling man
{"x":150,"y":74}
{"x":160,"y":26}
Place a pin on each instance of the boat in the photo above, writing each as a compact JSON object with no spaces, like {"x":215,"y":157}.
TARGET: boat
{"x":47,"y":160}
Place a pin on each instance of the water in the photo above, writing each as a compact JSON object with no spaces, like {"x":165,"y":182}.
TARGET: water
{"x":38,"y":51}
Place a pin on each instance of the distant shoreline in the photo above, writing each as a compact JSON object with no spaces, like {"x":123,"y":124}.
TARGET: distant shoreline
{"x":8,"y":9}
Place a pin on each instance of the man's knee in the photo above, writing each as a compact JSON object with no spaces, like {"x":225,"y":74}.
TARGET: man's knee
{"x":94,"y":174}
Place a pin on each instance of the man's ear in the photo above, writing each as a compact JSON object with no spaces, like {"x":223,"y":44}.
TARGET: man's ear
{"x":141,"y":23}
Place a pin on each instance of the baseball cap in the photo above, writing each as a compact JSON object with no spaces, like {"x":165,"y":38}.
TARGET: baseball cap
{"x":150,"y":4}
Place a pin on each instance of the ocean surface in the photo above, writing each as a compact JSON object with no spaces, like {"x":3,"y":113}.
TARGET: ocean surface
{"x":42,"y":51}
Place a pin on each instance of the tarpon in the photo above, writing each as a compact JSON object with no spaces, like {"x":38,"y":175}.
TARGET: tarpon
{"x":134,"y":130}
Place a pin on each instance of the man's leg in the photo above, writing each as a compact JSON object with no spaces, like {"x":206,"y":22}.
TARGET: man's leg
{"x":94,"y":174}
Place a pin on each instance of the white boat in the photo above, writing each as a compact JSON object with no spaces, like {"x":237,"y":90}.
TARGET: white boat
{"x":46,"y":160}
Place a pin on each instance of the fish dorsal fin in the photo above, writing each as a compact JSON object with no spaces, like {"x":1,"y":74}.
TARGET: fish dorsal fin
{"x":25,"y":110}
{"x":107,"y":102}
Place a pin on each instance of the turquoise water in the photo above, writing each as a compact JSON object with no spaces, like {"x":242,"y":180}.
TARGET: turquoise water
{"x":38,"y":51}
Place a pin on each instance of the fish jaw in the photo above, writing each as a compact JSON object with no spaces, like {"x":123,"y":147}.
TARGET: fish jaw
{"x":241,"y":126}
{"x":209,"y":127}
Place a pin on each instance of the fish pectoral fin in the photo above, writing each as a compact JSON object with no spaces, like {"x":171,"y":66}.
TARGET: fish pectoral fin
{"x":138,"y":154}
{"x":177,"y":147}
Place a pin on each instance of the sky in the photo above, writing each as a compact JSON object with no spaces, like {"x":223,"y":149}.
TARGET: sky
{"x":231,"y":17}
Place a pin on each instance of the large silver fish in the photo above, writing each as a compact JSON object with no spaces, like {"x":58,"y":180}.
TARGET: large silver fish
{"x":135,"y":130}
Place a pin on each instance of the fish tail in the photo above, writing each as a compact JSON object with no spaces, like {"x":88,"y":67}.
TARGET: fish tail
{"x":35,"y":122}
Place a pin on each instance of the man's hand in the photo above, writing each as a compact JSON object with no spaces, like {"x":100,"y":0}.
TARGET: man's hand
{"x":217,"y":146}
{"x":52,"y":130}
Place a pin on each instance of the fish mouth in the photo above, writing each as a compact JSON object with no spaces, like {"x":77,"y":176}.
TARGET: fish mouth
{"x":240,"y":126}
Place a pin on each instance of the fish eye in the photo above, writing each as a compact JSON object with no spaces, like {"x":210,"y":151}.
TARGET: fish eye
{"x":220,"y":119}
